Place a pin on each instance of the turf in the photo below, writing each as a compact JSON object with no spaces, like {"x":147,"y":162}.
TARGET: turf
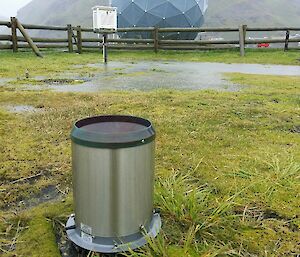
{"x":20,"y":64}
{"x":227,"y":163}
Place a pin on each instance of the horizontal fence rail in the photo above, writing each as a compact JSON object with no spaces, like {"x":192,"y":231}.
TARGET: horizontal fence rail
{"x":165,"y":30}
{"x":42,"y":27}
{"x":76,"y":40}
{"x":274,"y":29}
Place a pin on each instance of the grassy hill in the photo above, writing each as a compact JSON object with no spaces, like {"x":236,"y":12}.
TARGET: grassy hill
{"x":59,"y":12}
{"x":220,"y":12}
{"x":253,"y":13}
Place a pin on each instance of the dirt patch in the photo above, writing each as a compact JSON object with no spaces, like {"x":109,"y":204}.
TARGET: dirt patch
{"x":21,"y":108}
{"x":46,"y":194}
{"x":49,"y":193}
{"x":62,"y":81}
{"x":258,"y":214}
{"x":49,"y":81}
{"x":296,"y":129}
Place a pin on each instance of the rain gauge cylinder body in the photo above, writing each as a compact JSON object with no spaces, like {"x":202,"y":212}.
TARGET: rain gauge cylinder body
{"x":113,"y":173}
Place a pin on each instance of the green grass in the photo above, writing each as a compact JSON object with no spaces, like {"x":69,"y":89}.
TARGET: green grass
{"x":16,"y":65}
{"x":227,"y":163}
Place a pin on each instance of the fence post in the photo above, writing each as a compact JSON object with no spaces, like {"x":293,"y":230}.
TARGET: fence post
{"x":70,"y":38}
{"x":242,"y":38}
{"x":287,"y":38}
{"x":79,"y":40}
{"x":28,"y":39}
{"x":14,"y":38}
{"x":155,"y":38}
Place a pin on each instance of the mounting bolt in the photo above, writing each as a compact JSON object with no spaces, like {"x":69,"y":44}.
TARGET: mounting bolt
{"x":156,"y":211}
{"x":116,"y":245}
{"x":143,"y":229}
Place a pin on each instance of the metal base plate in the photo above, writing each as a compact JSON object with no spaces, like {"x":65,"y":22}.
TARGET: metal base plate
{"x":112,"y":245}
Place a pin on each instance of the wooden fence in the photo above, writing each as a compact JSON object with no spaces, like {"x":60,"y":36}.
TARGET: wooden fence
{"x":75,"y":41}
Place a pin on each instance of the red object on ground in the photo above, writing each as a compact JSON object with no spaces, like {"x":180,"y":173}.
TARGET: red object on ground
{"x":263,"y":45}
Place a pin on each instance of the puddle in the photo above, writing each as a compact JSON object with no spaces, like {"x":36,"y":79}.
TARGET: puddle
{"x":3,"y":81}
{"x":296,"y":129}
{"x":47,"y":194}
{"x":21,"y":108}
{"x":170,"y":75}
{"x":62,"y":81}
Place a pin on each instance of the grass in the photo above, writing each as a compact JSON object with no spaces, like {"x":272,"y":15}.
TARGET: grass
{"x":227,"y":163}
{"x":17,"y":65}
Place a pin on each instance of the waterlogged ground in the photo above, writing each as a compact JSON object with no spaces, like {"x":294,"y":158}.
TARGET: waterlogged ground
{"x":148,"y":76}
{"x":227,"y":159}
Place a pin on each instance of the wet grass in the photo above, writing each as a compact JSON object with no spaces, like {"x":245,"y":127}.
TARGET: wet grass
{"x":227,"y":166}
{"x":258,"y":56}
{"x":57,"y":81}
{"x":24,"y":63}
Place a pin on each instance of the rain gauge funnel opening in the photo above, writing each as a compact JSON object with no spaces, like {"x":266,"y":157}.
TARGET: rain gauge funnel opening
{"x":113,"y":176}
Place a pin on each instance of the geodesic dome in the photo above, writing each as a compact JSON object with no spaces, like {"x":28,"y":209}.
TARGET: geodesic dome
{"x":161,"y":13}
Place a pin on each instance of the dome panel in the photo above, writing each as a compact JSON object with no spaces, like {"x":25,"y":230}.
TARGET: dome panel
{"x":159,"y":13}
{"x":153,"y":3}
{"x":172,"y":11}
{"x":191,"y":3}
{"x":133,"y":14}
{"x":160,"y":10}
{"x":148,"y":20}
{"x":141,"y":4}
{"x":178,"y":21}
{"x":179,"y":4}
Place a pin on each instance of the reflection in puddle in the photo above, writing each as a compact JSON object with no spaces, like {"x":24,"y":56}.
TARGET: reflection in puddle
{"x":21,"y":108}
{"x":171,"y":75}
{"x":3,"y":81}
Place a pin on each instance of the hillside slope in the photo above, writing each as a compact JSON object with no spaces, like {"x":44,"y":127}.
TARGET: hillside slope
{"x":253,"y":13}
{"x":220,"y":12}
{"x":59,"y":12}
